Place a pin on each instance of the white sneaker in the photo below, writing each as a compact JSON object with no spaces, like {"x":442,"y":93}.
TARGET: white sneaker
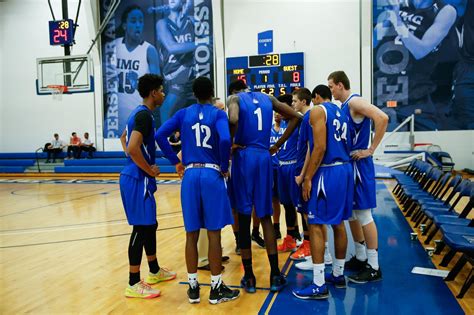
{"x":327,"y":258}
{"x":307,"y":264}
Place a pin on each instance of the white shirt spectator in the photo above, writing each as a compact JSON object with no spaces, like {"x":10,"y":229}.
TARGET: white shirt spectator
{"x":57,"y":144}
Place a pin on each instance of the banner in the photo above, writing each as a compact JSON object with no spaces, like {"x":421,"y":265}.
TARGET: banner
{"x":172,"y":38}
{"x":423,"y":62}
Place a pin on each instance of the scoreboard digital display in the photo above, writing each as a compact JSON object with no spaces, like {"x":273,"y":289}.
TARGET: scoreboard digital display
{"x":273,"y":74}
{"x":61,"y":32}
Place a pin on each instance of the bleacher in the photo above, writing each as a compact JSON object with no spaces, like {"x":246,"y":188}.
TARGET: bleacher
{"x":102,"y":162}
{"x":440,"y":205}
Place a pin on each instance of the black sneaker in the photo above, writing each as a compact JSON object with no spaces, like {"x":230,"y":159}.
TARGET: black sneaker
{"x":339,"y":282}
{"x":249,"y":284}
{"x":193,"y":294}
{"x":297,"y":236}
{"x":277,"y":282}
{"x":368,"y":274}
{"x":223,"y":294}
{"x":257,"y":238}
{"x":355,"y":264}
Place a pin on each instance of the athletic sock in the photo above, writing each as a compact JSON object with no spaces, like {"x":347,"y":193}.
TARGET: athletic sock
{"x":154,"y":268}
{"x":216,"y":281}
{"x":373,"y":258}
{"x":276,"y":226}
{"x":193,"y":279}
{"x":273,"y":259}
{"x":255,"y":230}
{"x":361,"y":253}
{"x":248,"y":268}
{"x":338,"y":267}
{"x":134,"y":278}
{"x":306,"y":237}
{"x":318,"y":274}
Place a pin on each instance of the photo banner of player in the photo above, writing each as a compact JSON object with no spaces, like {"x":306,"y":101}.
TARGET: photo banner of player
{"x":172,"y":38}
{"x":423,"y":62}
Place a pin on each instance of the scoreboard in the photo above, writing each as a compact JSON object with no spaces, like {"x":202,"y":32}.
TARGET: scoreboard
{"x":273,"y":74}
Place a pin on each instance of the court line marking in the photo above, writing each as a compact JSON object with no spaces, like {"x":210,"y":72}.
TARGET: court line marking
{"x":51,"y":204}
{"x":83,"y":239}
{"x":271,"y":297}
{"x":71,"y":228}
{"x":80,"y":224}
{"x":272,"y":301}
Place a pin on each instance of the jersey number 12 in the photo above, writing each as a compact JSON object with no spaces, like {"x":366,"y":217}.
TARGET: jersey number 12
{"x":198,"y":128}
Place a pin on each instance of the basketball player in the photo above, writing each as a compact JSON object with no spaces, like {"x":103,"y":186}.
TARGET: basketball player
{"x":301,"y":101}
{"x":205,"y":153}
{"x":286,"y":184}
{"x":361,"y":113}
{"x":250,"y":117}
{"x":274,"y":136}
{"x":135,"y":57}
{"x":328,"y":188}
{"x":321,"y":94}
{"x":408,"y":54}
{"x":175,"y":35}
{"x":137,"y":186}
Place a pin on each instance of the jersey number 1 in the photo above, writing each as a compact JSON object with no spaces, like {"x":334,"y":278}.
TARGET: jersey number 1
{"x":258,"y":112}
{"x":198,"y":128}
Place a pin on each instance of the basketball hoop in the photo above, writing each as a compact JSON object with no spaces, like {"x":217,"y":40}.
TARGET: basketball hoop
{"x":57,"y":91}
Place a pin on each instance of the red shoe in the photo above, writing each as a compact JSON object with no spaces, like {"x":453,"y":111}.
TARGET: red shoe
{"x":303,"y":251}
{"x":288,"y":245}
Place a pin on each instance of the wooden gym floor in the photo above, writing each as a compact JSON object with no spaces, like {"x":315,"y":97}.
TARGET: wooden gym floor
{"x":63,"y":249}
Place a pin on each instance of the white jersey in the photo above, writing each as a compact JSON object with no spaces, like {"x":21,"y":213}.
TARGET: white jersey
{"x":130,"y":66}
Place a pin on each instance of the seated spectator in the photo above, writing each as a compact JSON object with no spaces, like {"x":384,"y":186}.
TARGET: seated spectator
{"x":54,"y":148}
{"x":87,"y":146}
{"x":74,"y":147}
{"x":175,"y":141}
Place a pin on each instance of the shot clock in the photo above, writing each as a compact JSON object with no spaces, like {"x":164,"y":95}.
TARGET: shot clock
{"x":274,"y":74}
{"x":61,"y":32}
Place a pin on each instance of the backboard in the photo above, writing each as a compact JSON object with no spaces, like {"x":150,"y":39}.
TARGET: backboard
{"x":75,"y":72}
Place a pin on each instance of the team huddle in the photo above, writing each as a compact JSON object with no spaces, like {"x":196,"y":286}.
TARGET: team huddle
{"x":319,"y":164}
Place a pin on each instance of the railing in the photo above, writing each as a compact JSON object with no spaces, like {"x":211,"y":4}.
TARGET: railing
{"x":37,"y":159}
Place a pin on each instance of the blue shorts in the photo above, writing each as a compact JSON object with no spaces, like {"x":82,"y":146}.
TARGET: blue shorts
{"x":302,"y":206}
{"x":230,"y":193}
{"x":275,"y":183}
{"x":252,"y":177}
{"x":287,"y":188}
{"x":364,"y":180}
{"x":138,"y":199}
{"x":204,"y":200}
{"x":331,"y":195}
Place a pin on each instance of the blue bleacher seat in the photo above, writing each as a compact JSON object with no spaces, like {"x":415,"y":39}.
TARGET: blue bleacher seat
{"x":107,"y":162}
{"x":17,"y":162}
{"x":103,"y":169}
{"x":12,"y":169}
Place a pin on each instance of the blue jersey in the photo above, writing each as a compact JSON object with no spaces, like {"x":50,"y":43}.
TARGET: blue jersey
{"x":275,"y":135}
{"x":148,"y":148}
{"x":337,"y":134}
{"x":302,"y":146}
{"x":360,"y":131}
{"x":255,"y":120}
{"x":205,"y":136}
{"x":288,"y":149}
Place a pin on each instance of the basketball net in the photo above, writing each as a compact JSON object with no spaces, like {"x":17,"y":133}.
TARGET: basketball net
{"x":57,"y":91}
